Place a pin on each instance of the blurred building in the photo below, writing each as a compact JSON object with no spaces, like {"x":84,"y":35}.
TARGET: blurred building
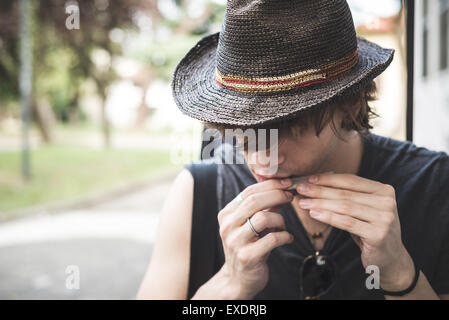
{"x":431,"y":107}
{"x":383,"y":28}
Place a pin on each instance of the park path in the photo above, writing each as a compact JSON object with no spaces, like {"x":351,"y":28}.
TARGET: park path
{"x":109,"y":244}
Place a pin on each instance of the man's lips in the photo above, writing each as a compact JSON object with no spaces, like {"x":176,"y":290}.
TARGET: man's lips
{"x":263,"y":178}
{"x":295,"y":181}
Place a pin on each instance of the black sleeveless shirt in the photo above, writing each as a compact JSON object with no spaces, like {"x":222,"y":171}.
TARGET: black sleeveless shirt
{"x":421,"y":181}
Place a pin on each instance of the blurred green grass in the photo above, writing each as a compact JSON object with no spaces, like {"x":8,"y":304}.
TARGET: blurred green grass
{"x":67,"y":172}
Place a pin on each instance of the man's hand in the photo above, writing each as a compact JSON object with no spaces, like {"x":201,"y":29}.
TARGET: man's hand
{"x":367,"y":210}
{"x":245,"y":271}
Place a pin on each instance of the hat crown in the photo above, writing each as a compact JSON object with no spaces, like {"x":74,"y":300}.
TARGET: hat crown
{"x":269,"y":38}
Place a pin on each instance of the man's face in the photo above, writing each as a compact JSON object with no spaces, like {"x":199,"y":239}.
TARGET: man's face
{"x":298,"y":155}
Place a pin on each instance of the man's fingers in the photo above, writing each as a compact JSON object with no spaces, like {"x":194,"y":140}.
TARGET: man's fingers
{"x":322,"y":192}
{"x":345,"y":207}
{"x":343,"y":222}
{"x":264,"y":245}
{"x":348,"y":182}
{"x":261,"y":221}
{"x":258,"y":202}
{"x":272,"y":184}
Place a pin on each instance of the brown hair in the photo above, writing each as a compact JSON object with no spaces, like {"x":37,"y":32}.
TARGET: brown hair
{"x":353,"y":117}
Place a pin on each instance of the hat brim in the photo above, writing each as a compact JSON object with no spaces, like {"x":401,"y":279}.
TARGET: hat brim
{"x":199,"y":96}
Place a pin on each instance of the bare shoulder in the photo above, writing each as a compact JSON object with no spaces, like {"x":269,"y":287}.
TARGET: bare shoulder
{"x":180,"y":194}
{"x":168,"y":270}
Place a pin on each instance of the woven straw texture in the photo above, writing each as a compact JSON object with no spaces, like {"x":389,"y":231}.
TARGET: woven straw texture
{"x":274,"y":58}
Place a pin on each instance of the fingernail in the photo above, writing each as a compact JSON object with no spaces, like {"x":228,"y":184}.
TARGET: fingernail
{"x":313,"y":179}
{"x":315,"y":213}
{"x":303,"y":187}
{"x":285,"y":182}
{"x":305,"y":203}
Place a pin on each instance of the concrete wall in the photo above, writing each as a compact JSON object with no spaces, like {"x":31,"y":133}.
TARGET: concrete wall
{"x":431,"y":109}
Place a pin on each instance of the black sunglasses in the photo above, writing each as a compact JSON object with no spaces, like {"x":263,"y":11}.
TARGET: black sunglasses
{"x":318,"y":275}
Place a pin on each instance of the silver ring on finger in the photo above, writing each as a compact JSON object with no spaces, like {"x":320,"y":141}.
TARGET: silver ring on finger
{"x":252,"y":227}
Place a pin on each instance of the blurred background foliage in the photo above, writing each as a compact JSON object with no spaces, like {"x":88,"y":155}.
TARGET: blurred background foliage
{"x":109,"y":76}
{"x":64,"y":60}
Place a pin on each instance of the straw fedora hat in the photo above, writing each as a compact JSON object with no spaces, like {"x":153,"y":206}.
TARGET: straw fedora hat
{"x":274,"y":58}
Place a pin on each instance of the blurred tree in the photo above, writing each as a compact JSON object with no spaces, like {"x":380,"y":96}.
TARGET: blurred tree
{"x":89,"y":50}
{"x":9,"y":52}
{"x":64,"y":59}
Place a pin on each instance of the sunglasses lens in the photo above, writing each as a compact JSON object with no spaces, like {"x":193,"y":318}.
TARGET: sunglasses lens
{"x":318,"y":274}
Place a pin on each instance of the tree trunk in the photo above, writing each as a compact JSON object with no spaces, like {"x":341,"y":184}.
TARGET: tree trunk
{"x":42,"y":115}
{"x":105,"y":125}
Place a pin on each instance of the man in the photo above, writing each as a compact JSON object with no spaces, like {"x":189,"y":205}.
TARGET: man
{"x":370,"y":220}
